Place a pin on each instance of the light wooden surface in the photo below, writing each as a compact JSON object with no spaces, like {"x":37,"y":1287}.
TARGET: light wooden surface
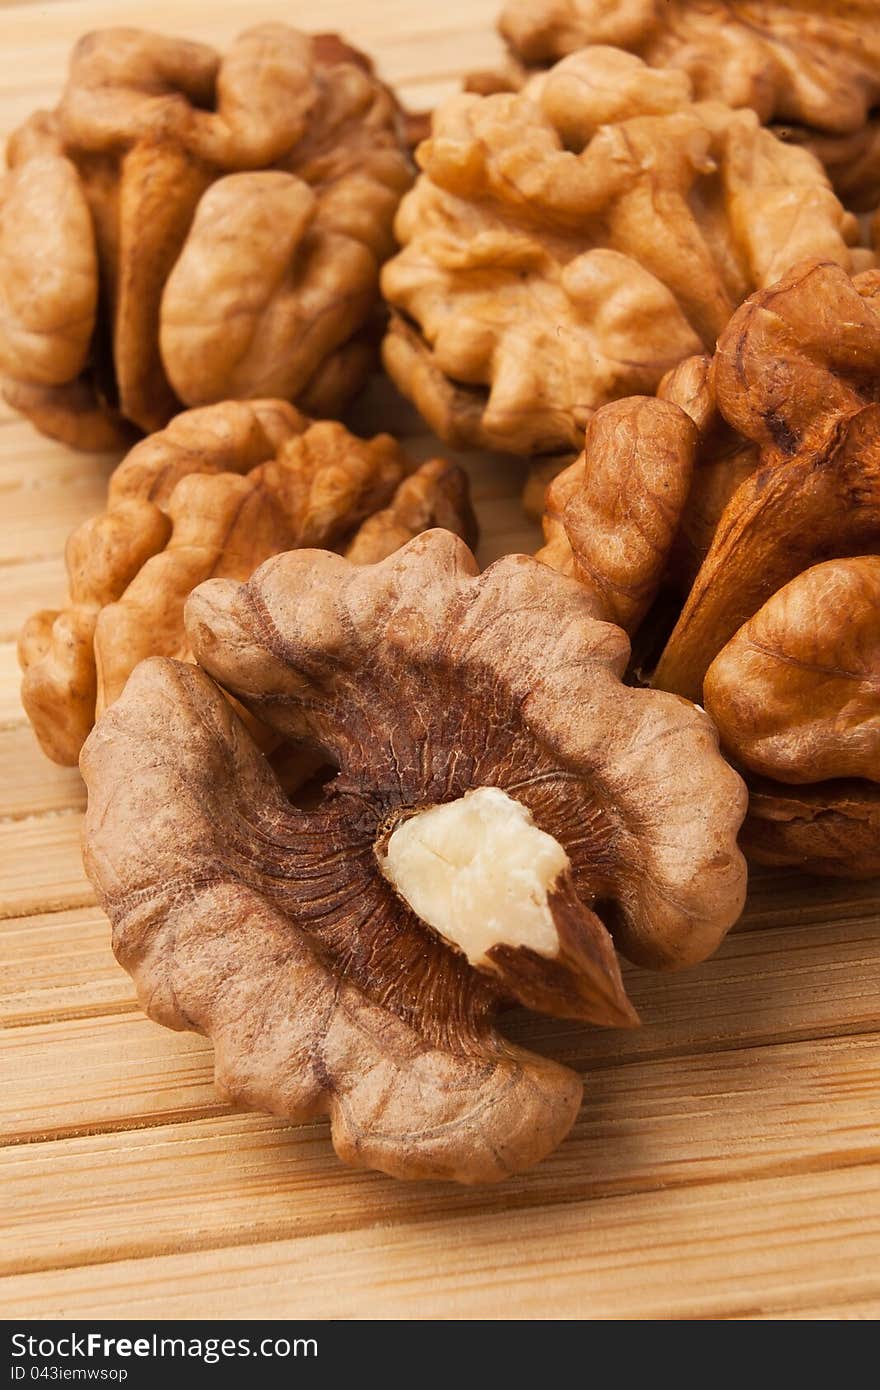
{"x":727,"y":1159}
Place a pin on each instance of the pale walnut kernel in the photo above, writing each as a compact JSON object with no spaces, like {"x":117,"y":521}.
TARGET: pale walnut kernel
{"x":568,"y":244}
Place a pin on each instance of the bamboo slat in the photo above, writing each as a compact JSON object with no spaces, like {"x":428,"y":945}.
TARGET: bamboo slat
{"x":726,"y":1250}
{"x":808,"y":989}
{"x":42,"y":867}
{"x":775,"y":1111}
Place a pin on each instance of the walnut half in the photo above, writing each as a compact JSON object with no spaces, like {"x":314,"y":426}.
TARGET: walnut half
{"x":504,"y":810}
{"x":188,"y":227}
{"x":747,"y":503}
{"x":214,"y":494}
{"x":568,"y":244}
{"x":812,"y":67}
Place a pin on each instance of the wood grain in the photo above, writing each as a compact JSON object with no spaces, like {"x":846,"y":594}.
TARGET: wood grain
{"x":58,"y":965}
{"x":27,"y":586}
{"x":31,"y":784}
{"x":37,"y":521}
{"x":726,"y":1162}
{"x":728,"y":1249}
{"x":227,"y":1180}
{"x":42,"y":869}
{"x":11,"y":711}
{"x":807,"y":989}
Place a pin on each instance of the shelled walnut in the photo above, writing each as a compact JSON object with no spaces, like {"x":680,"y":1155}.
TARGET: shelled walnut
{"x":750,"y":496}
{"x":217,"y":492}
{"x":185,"y":228}
{"x":797,"y":689}
{"x":503,"y":807}
{"x":812,"y":67}
{"x":567,"y":245}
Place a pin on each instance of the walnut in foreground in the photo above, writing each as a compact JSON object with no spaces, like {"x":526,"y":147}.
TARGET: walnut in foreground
{"x":566,"y":245}
{"x":475,"y":717}
{"x":751,"y":511}
{"x":214,"y":494}
{"x":187,"y":227}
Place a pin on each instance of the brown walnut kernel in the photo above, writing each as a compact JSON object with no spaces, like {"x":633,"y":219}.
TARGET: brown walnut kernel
{"x":488,"y":758}
{"x":828,"y":828}
{"x":214,"y":494}
{"x":796,"y":691}
{"x":752,"y":493}
{"x":812,"y":67}
{"x":211,"y":226}
{"x":722,"y":461}
{"x":569,"y":244}
{"x":608,"y":525}
{"x":796,"y":372}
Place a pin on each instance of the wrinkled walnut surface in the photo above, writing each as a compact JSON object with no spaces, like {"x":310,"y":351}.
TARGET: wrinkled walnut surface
{"x":187,"y":227}
{"x":828,"y":828}
{"x":275,"y":930}
{"x":797,"y":372}
{"x":796,"y":691}
{"x":748,"y":499}
{"x":568,"y":244}
{"x":813,"y":66}
{"x":217,"y":492}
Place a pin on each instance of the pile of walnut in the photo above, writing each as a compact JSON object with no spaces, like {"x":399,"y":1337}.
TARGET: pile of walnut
{"x":750,"y":491}
{"x":349,"y":798}
{"x":185,"y":228}
{"x":809,"y":67}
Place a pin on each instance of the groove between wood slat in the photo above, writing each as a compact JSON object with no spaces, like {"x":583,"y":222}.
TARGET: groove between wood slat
{"x":772,"y":987}
{"x":780,"y":897}
{"x":31,"y":785}
{"x":795,"y":1109}
{"x":762,"y":988}
{"x":808,"y":983}
{"x":42,"y":865}
{"x":58,"y":966}
{"x":722,"y":1250}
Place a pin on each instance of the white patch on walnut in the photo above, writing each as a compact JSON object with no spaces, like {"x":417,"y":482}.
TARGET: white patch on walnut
{"x":478,"y":870}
